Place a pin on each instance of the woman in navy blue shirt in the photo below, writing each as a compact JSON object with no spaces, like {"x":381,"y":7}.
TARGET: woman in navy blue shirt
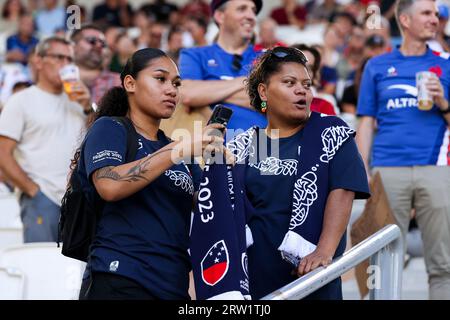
{"x":303,"y":186}
{"x":140,"y":250}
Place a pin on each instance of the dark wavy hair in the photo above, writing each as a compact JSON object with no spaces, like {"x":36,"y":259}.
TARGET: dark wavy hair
{"x":268,"y":64}
{"x":114,"y":102}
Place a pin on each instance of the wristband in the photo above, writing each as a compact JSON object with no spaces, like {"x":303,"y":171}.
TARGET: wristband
{"x":87,"y":112}
{"x":93,"y":108}
{"x":446,"y":110}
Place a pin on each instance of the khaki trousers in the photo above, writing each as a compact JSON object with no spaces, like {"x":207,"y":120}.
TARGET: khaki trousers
{"x":427,"y":189}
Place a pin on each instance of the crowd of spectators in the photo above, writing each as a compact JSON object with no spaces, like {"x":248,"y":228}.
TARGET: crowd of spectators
{"x":350,"y":32}
{"x":346,"y":34}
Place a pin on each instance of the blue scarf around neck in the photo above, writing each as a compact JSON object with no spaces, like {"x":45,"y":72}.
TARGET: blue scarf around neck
{"x":219,"y":235}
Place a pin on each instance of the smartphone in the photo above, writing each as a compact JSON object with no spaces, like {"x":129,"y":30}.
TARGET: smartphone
{"x":221,"y":114}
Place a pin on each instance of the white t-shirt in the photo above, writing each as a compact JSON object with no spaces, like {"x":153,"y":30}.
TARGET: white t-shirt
{"x":10,"y":74}
{"x":48,"y":129}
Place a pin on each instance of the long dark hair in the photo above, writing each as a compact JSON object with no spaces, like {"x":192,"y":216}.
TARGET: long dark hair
{"x":114,"y":102}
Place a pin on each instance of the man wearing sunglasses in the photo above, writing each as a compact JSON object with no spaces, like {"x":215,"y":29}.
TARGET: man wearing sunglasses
{"x":43,"y":127}
{"x":216,"y":73}
{"x":90,"y":51}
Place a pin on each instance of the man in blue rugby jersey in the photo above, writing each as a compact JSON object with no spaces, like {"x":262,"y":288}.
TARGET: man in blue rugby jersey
{"x":411,"y":146}
{"x":216,"y":73}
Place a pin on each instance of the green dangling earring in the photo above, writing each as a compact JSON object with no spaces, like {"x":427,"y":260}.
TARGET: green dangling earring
{"x":263,"y":106}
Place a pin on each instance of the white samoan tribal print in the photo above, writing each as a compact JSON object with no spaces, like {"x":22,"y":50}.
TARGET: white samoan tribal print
{"x":182,"y":180}
{"x":275,"y":166}
{"x":241,"y":146}
{"x":332,"y":139}
{"x":305,"y":193}
{"x":305,"y":188}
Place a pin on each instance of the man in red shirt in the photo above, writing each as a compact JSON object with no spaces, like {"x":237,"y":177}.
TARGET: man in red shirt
{"x":289,"y":13}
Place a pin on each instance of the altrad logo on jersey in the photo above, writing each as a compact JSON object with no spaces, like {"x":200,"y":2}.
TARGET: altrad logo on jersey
{"x":403,"y":102}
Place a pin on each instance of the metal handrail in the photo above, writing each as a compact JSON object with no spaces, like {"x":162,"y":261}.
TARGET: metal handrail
{"x":385,"y":248}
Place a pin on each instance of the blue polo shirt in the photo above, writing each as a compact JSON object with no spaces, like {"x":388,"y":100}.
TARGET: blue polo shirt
{"x":145,"y":236}
{"x":15,"y":43}
{"x":214,"y":63}
{"x":406,"y":136}
{"x":273,"y":209}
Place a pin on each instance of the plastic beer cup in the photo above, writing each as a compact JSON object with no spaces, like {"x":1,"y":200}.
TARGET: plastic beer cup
{"x":424,"y":99}
{"x":70,"y":76}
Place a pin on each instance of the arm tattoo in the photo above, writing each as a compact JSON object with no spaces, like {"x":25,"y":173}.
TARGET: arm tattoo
{"x":107,"y":173}
{"x":136,"y":173}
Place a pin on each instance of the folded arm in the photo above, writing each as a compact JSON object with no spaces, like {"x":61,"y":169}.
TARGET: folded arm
{"x":200,"y":93}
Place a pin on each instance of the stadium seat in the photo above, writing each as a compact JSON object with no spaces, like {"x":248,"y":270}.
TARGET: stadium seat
{"x":10,"y":236}
{"x":11,"y":284}
{"x":48,"y":275}
{"x":9,"y":209}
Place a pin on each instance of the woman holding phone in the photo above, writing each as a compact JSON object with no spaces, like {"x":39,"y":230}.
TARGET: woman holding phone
{"x":140,"y":249}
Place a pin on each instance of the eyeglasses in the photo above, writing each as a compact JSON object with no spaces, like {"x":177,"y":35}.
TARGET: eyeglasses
{"x":93,"y":41}
{"x":236,"y":64}
{"x":59,"y":57}
{"x":375,"y":41}
{"x":282,"y":52}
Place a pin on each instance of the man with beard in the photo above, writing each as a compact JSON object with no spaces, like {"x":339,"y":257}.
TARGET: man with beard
{"x":90,"y":46}
{"x":215,"y":73}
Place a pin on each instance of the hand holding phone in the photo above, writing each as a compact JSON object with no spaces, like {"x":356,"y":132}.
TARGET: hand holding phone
{"x":221,"y":114}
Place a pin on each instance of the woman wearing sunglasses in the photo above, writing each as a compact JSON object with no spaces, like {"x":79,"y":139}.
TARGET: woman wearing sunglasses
{"x":303,"y":187}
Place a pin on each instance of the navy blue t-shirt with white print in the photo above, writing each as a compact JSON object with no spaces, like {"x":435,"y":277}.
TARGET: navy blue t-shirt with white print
{"x":145,"y":236}
{"x":269,"y":183}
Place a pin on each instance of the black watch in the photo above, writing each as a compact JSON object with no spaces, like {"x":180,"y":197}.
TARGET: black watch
{"x":446,"y":110}
{"x":88,"y":111}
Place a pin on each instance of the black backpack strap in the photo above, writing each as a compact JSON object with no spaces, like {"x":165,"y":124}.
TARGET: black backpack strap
{"x":132,"y":138}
